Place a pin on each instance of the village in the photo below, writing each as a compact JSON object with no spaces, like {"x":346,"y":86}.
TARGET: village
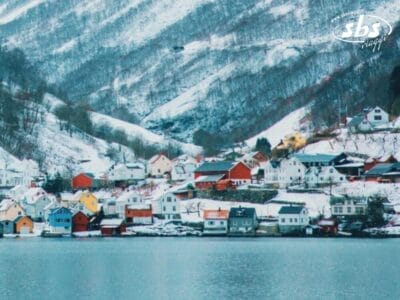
{"x":239,"y":192}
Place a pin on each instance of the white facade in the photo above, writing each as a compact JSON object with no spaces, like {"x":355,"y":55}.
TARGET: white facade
{"x":294,"y":219}
{"x":349,"y":207}
{"x":377,"y":116}
{"x":34,"y":202}
{"x":11,"y":178}
{"x":134,"y":171}
{"x":159,"y":165}
{"x":215,"y":226}
{"x":127,"y":198}
{"x":323,"y":175}
{"x":168,"y":206}
{"x":287,"y":172}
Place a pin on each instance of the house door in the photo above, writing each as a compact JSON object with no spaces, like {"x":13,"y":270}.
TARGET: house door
{"x":24,"y":230}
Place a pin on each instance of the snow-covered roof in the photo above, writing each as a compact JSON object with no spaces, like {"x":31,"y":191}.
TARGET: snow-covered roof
{"x":110,"y":223}
{"x":6,"y":204}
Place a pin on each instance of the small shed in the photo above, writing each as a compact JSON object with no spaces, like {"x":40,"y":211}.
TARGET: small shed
{"x":112,"y":227}
{"x":23,"y":225}
{"x":139,"y":214}
{"x":80,"y":222}
{"x":8,"y":226}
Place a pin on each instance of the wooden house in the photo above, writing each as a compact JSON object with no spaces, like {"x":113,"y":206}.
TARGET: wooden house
{"x":83,"y":181}
{"x":8,"y":226}
{"x":112,"y":227}
{"x":23,"y":225}
{"x":242,"y":221}
{"x":89,"y":200}
{"x":60,"y":220}
{"x":209,"y":173}
{"x":159,"y":165}
{"x":80,"y":222}
{"x":293,"y":219}
{"x":139,"y":214}
{"x":215,"y":222}
{"x":10,"y":210}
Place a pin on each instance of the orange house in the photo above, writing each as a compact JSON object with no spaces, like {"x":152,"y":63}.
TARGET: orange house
{"x":23,"y":224}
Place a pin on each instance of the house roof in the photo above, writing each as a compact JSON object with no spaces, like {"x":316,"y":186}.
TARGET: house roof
{"x":379,"y":169}
{"x":57,"y":210}
{"x":216,"y":214}
{"x":6,"y":204}
{"x":217,"y":166}
{"x":291,"y":210}
{"x":17,"y":219}
{"x":315,"y":158}
{"x":356,"y":120}
{"x":242,"y":212}
{"x":110,"y":223}
{"x":210,"y":178}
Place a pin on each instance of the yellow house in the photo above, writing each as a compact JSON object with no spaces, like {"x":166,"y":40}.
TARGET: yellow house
{"x":90,"y":201}
{"x":293,"y":141}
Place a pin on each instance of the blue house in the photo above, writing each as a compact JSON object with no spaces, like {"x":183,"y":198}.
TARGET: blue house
{"x":8,"y":226}
{"x":60,"y":220}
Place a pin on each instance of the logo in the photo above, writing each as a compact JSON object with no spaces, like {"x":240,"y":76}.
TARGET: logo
{"x":359,"y":28}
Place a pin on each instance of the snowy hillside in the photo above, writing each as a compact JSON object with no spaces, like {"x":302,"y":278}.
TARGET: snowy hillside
{"x":376,"y":144}
{"x":178,"y":66}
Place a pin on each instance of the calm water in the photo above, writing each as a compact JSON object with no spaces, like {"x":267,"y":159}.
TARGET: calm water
{"x":199,"y":268}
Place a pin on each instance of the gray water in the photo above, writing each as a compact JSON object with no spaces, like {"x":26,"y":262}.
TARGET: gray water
{"x":199,"y":268}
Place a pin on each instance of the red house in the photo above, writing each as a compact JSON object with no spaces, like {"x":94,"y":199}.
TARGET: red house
{"x":210,"y":173}
{"x":112,"y":227}
{"x":80,"y":222}
{"x":82,"y":181}
{"x":139,"y":214}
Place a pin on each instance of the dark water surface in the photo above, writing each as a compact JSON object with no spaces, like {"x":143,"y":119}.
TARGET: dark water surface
{"x":199,"y":268}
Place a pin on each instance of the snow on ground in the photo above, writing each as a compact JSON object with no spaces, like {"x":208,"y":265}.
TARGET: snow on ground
{"x":189,"y":99}
{"x":289,"y":124}
{"x":365,"y":189}
{"x":375,"y":144}
{"x":135,"y":131}
{"x":7,"y":16}
{"x":65,"y":151}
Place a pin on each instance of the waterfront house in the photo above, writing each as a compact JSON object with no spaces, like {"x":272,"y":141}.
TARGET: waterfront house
{"x":215,"y":222}
{"x":209,"y":173}
{"x":34,"y":202}
{"x":83,"y":181}
{"x":159,"y":165}
{"x":23,"y":225}
{"x":90,"y":201}
{"x":112,"y":227}
{"x":60,"y":220}
{"x":328,"y":226}
{"x":139,"y":214}
{"x":8,"y":226}
{"x":242,"y":221}
{"x":167,"y":207}
{"x":80,"y":222}
{"x":10,"y":210}
{"x":292,"y":219}
{"x":343,"y":205}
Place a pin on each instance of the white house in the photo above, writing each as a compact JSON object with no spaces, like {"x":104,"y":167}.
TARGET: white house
{"x":345,"y":206}
{"x":376,"y":116}
{"x":159,"y":165}
{"x":167,"y":206}
{"x":215,"y":222}
{"x":293,"y":219}
{"x":316,"y":176}
{"x":127,"y":198}
{"x":284,"y":172}
{"x":126,"y":172}
{"x":11,"y":178}
{"x":34,"y":202}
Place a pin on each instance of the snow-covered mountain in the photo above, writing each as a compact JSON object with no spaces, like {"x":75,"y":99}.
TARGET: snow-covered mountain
{"x":225,"y":66}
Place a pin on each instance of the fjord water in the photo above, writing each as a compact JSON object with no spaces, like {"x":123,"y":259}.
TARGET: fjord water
{"x":199,"y":268}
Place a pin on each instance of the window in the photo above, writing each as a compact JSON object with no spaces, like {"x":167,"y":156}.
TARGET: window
{"x":349,"y":210}
{"x":283,"y":220}
{"x":174,"y":208}
{"x":290,"y":220}
{"x":221,"y":223}
{"x":169,"y":199}
{"x":210,"y":222}
{"x":164,"y":208}
{"x":301,"y":220}
{"x":377,"y":110}
{"x":331,"y":171}
{"x":341,"y":178}
{"x":295,"y":220}
{"x":377,"y":118}
{"x":340,"y":209}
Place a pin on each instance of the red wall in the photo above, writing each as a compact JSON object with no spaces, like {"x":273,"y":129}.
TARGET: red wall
{"x":132,"y":213}
{"x":80,"y":222}
{"x":81,"y":181}
{"x":240,"y":171}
